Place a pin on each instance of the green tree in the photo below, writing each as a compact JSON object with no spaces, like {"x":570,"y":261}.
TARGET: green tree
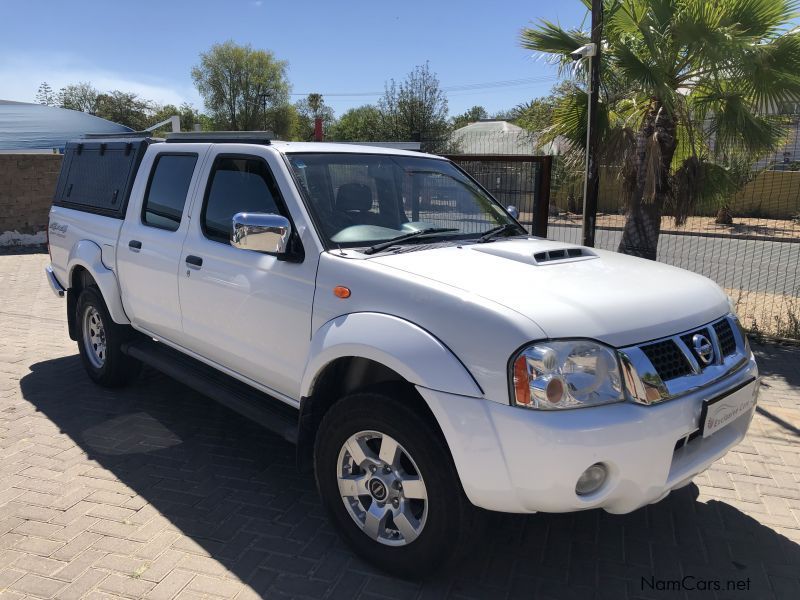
{"x":309,"y":109}
{"x":473,"y":115}
{"x":79,"y":96}
{"x":241,"y":86}
{"x":283,"y":121}
{"x":45,"y":95}
{"x":534,"y":115}
{"x":125,"y":108}
{"x":416,"y":110}
{"x":189,"y":115}
{"x":537,"y":115}
{"x":504,"y":115}
{"x":686,"y":85}
{"x":361,"y":124}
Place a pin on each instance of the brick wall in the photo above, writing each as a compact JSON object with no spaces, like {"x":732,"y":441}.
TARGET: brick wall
{"x":27,"y":184}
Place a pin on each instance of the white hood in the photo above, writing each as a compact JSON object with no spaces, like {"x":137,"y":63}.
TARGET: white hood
{"x":606,"y":296}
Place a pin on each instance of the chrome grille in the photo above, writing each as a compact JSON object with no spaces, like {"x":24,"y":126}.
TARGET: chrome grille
{"x":670,"y":367}
{"x":727,"y":341}
{"x":668,"y":360}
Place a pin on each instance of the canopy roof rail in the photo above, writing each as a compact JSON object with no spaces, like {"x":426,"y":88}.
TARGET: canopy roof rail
{"x":223,"y":137}
{"x":125,"y":134}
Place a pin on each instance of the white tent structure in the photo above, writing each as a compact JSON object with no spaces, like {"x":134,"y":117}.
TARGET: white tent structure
{"x":493,"y":136}
{"x":28,"y":127}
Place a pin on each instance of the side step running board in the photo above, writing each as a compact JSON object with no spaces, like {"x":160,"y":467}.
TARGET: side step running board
{"x":275,"y":415}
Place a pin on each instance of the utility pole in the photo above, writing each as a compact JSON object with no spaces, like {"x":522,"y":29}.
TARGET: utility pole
{"x":592,"y":180}
{"x":264,"y":96}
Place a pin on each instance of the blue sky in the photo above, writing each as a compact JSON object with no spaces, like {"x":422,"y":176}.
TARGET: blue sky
{"x":332,"y":47}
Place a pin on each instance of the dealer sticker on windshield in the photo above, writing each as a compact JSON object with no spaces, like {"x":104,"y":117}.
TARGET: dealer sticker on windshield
{"x":719,"y":412}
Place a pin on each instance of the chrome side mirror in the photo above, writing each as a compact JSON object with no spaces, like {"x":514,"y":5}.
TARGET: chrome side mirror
{"x":261,"y":232}
{"x":512,"y":210}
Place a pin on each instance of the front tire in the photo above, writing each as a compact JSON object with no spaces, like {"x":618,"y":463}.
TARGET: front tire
{"x":386,"y":478}
{"x":100,"y":342}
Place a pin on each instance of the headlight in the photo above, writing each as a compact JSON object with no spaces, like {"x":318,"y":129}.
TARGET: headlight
{"x":566,"y":374}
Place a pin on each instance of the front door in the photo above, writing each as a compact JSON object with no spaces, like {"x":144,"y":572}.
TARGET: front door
{"x":245,"y":310}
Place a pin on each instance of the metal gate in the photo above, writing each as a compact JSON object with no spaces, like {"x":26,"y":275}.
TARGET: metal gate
{"x":518,"y":180}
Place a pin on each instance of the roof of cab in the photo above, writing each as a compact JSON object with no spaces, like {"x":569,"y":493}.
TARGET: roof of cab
{"x":189,"y":140}
{"x":333,"y":147}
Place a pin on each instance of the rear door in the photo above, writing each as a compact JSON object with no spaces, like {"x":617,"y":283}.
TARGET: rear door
{"x":149,"y":248}
{"x":244,"y":310}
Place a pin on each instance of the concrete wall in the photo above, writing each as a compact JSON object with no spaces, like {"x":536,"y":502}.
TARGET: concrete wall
{"x":771,"y":195}
{"x":27,"y":185}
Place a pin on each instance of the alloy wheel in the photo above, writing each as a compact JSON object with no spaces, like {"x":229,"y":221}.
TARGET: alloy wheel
{"x":382,"y":488}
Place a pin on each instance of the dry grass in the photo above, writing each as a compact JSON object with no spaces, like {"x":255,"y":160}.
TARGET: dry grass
{"x":768,"y":314}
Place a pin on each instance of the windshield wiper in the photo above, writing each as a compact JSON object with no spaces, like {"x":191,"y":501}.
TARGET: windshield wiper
{"x":407,"y":236}
{"x":495,"y":231}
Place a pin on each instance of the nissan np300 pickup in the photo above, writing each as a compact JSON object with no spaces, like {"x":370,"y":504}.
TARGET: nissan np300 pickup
{"x":427,"y":358}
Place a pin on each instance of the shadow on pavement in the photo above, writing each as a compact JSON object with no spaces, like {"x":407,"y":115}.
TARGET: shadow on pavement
{"x":232,"y":488}
{"x":779,"y":360}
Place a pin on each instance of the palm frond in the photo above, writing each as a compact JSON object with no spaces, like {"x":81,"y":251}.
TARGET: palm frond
{"x":733,"y":123}
{"x":662,"y":13}
{"x":642,"y":71}
{"x":636,"y":70}
{"x":569,"y":121}
{"x":690,"y":141}
{"x":755,"y":18}
{"x":769,"y":73}
{"x":705,"y":39}
{"x":624,"y":18}
{"x":551,"y":38}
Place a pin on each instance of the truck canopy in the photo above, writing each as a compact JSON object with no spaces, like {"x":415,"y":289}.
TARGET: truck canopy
{"x":97,"y":174}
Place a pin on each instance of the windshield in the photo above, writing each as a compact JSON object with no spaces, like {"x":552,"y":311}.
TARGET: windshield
{"x":363,"y":199}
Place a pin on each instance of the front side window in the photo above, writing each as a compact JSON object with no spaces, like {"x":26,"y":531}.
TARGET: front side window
{"x":167,"y":190}
{"x":237,"y":185}
{"x":363,"y":199}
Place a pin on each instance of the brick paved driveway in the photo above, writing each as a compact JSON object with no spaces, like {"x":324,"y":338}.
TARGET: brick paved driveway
{"x":155,"y":491}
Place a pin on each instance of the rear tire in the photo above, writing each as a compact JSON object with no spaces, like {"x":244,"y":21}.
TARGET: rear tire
{"x":100,"y":342}
{"x":390,"y":487}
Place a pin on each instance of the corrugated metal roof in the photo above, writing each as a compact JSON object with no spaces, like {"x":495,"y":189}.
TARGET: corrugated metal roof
{"x":25,"y":126}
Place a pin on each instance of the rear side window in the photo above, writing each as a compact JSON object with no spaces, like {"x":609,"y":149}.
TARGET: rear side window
{"x":237,"y":185}
{"x":167,"y":190}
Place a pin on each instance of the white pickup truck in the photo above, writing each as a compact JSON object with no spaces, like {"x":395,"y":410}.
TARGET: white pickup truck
{"x":426,"y":359}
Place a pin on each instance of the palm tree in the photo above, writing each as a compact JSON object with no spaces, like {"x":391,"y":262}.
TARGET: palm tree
{"x":689,"y":87}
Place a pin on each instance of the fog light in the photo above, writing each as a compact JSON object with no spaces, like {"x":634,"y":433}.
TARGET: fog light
{"x":591,"y":479}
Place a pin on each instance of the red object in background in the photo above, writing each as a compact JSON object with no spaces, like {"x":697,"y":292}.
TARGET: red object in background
{"x":318,"y":129}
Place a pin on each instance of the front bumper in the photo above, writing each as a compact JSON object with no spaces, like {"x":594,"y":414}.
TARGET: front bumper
{"x":513,"y":459}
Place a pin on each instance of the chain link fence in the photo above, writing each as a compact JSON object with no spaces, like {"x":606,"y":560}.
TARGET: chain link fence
{"x":514,"y":180}
{"x":747,"y":241}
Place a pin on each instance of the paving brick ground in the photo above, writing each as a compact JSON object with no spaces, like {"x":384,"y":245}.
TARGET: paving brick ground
{"x":154,"y":491}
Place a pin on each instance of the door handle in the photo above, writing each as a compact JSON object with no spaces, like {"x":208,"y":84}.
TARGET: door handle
{"x":194,"y":261}
{"x":135,"y":245}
